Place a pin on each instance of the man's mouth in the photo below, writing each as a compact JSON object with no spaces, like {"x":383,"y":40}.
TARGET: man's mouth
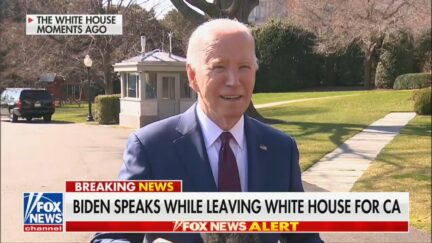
{"x":230,"y":97}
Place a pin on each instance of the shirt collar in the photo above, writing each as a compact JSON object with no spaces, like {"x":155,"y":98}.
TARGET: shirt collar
{"x":211,"y":131}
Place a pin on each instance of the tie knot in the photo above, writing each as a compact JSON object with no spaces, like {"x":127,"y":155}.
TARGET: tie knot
{"x":225,"y":137}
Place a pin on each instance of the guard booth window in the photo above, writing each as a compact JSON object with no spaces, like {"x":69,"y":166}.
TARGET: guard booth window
{"x":151,"y":85}
{"x":168,"y":88}
{"x":132,"y":85}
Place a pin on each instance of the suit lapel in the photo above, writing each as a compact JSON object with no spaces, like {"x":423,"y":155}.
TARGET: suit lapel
{"x":256,"y":154}
{"x":192,"y":153}
{"x":191,"y":150}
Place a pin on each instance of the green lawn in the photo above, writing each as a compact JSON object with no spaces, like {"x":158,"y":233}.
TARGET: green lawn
{"x":71,"y":113}
{"x":262,"y":98}
{"x":404,"y":165}
{"x":320,"y":126}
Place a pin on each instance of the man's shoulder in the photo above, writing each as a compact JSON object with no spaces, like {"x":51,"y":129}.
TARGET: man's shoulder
{"x":159,"y":130}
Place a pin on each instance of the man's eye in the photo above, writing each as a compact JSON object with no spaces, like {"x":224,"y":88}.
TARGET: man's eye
{"x":245,"y":67}
{"x":218,"y":67}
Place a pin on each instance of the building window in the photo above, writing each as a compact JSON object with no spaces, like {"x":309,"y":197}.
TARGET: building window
{"x":168,"y":88}
{"x":132,"y":86}
{"x":151,"y":85}
{"x":185,"y":90}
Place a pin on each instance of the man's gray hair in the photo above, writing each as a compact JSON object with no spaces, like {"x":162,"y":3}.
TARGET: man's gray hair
{"x":206,"y":30}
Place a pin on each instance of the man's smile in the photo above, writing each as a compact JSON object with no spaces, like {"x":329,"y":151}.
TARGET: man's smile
{"x":231,"y":97}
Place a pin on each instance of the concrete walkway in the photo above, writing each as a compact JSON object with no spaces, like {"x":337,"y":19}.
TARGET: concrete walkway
{"x":340,"y":169}
{"x":298,"y":100}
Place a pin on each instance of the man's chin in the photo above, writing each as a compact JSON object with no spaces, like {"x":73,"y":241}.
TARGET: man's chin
{"x":232,"y":115}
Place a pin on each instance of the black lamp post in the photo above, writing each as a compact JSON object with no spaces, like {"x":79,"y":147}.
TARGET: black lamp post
{"x":88,"y":63}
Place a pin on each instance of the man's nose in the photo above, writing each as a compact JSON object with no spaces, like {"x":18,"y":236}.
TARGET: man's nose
{"x":232,"y":78}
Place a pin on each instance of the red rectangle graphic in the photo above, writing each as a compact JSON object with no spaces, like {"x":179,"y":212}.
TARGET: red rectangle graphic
{"x":250,"y":226}
{"x":43,"y":228}
{"x":124,"y":186}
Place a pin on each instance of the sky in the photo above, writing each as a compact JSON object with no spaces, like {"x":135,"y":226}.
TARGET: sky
{"x":161,"y":7}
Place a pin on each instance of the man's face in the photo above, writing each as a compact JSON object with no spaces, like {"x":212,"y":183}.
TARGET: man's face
{"x":224,"y":76}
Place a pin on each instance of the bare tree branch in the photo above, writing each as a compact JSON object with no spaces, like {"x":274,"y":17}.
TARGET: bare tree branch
{"x":339,"y":23}
{"x":232,"y":9}
{"x":208,"y":8}
{"x":191,"y":14}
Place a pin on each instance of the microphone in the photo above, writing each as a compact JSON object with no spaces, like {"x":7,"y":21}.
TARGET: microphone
{"x":231,"y":238}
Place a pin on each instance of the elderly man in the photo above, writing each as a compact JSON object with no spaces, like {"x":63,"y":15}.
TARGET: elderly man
{"x":213,"y":146}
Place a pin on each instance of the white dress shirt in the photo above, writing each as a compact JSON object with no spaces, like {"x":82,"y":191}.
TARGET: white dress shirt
{"x":211,"y":133}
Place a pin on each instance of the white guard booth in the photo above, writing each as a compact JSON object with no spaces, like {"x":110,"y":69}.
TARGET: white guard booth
{"x":154,"y":86}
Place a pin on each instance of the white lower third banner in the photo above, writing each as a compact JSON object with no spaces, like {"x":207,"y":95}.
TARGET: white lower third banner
{"x":236,"y":212}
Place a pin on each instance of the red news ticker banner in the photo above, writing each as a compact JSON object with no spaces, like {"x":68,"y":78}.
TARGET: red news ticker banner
{"x":237,"y":226}
{"x":124,"y":186}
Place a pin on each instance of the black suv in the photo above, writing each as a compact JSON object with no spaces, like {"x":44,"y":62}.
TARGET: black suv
{"x":27,"y":103}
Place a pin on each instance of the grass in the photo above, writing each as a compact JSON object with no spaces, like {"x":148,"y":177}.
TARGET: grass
{"x":71,"y":113}
{"x":320,"y":126}
{"x":262,"y":98}
{"x":404,"y":165}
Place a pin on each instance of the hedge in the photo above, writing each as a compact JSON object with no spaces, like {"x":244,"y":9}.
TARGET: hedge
{"x":288,"y":60}
{"x":342,"y":68}
{"x":397,"y":57}
{"x":107,"y":109}
{"x":422,"y":101}
{"x":413,"y":81}
{"x":423,"y":51}
{"x":286,"y":57}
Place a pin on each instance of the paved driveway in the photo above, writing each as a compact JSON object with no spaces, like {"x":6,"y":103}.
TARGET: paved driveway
{"x":39,"y":157}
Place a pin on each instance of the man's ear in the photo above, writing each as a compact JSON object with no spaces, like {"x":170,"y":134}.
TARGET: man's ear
{"x":191,"y":76}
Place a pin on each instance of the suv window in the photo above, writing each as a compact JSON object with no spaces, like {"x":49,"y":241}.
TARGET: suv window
{"x":14,"y":95}
{"x":3,"y":96}
{"x":35,"y":95}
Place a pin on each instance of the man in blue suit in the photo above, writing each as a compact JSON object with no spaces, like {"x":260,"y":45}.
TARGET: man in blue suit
{"x":213,"y":146}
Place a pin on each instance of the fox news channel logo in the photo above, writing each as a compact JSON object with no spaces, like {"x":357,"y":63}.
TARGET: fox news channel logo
{"x":43,"y":212}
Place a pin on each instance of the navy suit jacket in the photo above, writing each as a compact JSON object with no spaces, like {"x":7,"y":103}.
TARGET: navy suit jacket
{"x":173,"y":149}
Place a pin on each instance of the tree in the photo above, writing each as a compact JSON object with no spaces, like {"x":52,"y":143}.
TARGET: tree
{"x":26,"y":57}
{"x":238,"y":9}
{"x":397,"y":57}
{"x":106,"y":50}
{"x":280,"y":45}
{"x":423,"y":51}
{"x":18,"y":55}
{"x":339,"y":23}
{"x":181,"y":29}
{"x":110,"y":49}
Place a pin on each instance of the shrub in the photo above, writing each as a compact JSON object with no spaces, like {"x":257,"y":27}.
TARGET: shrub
{"x":413,"y":81}
{"x":343,"y":67}
{"x":385,"y":70}
{"x":286,"y":57}
{"x":423,"y":51}
{"x":422,"y":101}
{"x":397,"y":57}
{"x":107,"y":109}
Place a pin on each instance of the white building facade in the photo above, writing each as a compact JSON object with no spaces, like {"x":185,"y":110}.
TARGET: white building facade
{"x":154,"y":86}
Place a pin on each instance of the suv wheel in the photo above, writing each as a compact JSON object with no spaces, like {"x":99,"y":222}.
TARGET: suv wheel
{"x":13,"y":117}
{"x":47,"y":118}
{"x":29,"y":118}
